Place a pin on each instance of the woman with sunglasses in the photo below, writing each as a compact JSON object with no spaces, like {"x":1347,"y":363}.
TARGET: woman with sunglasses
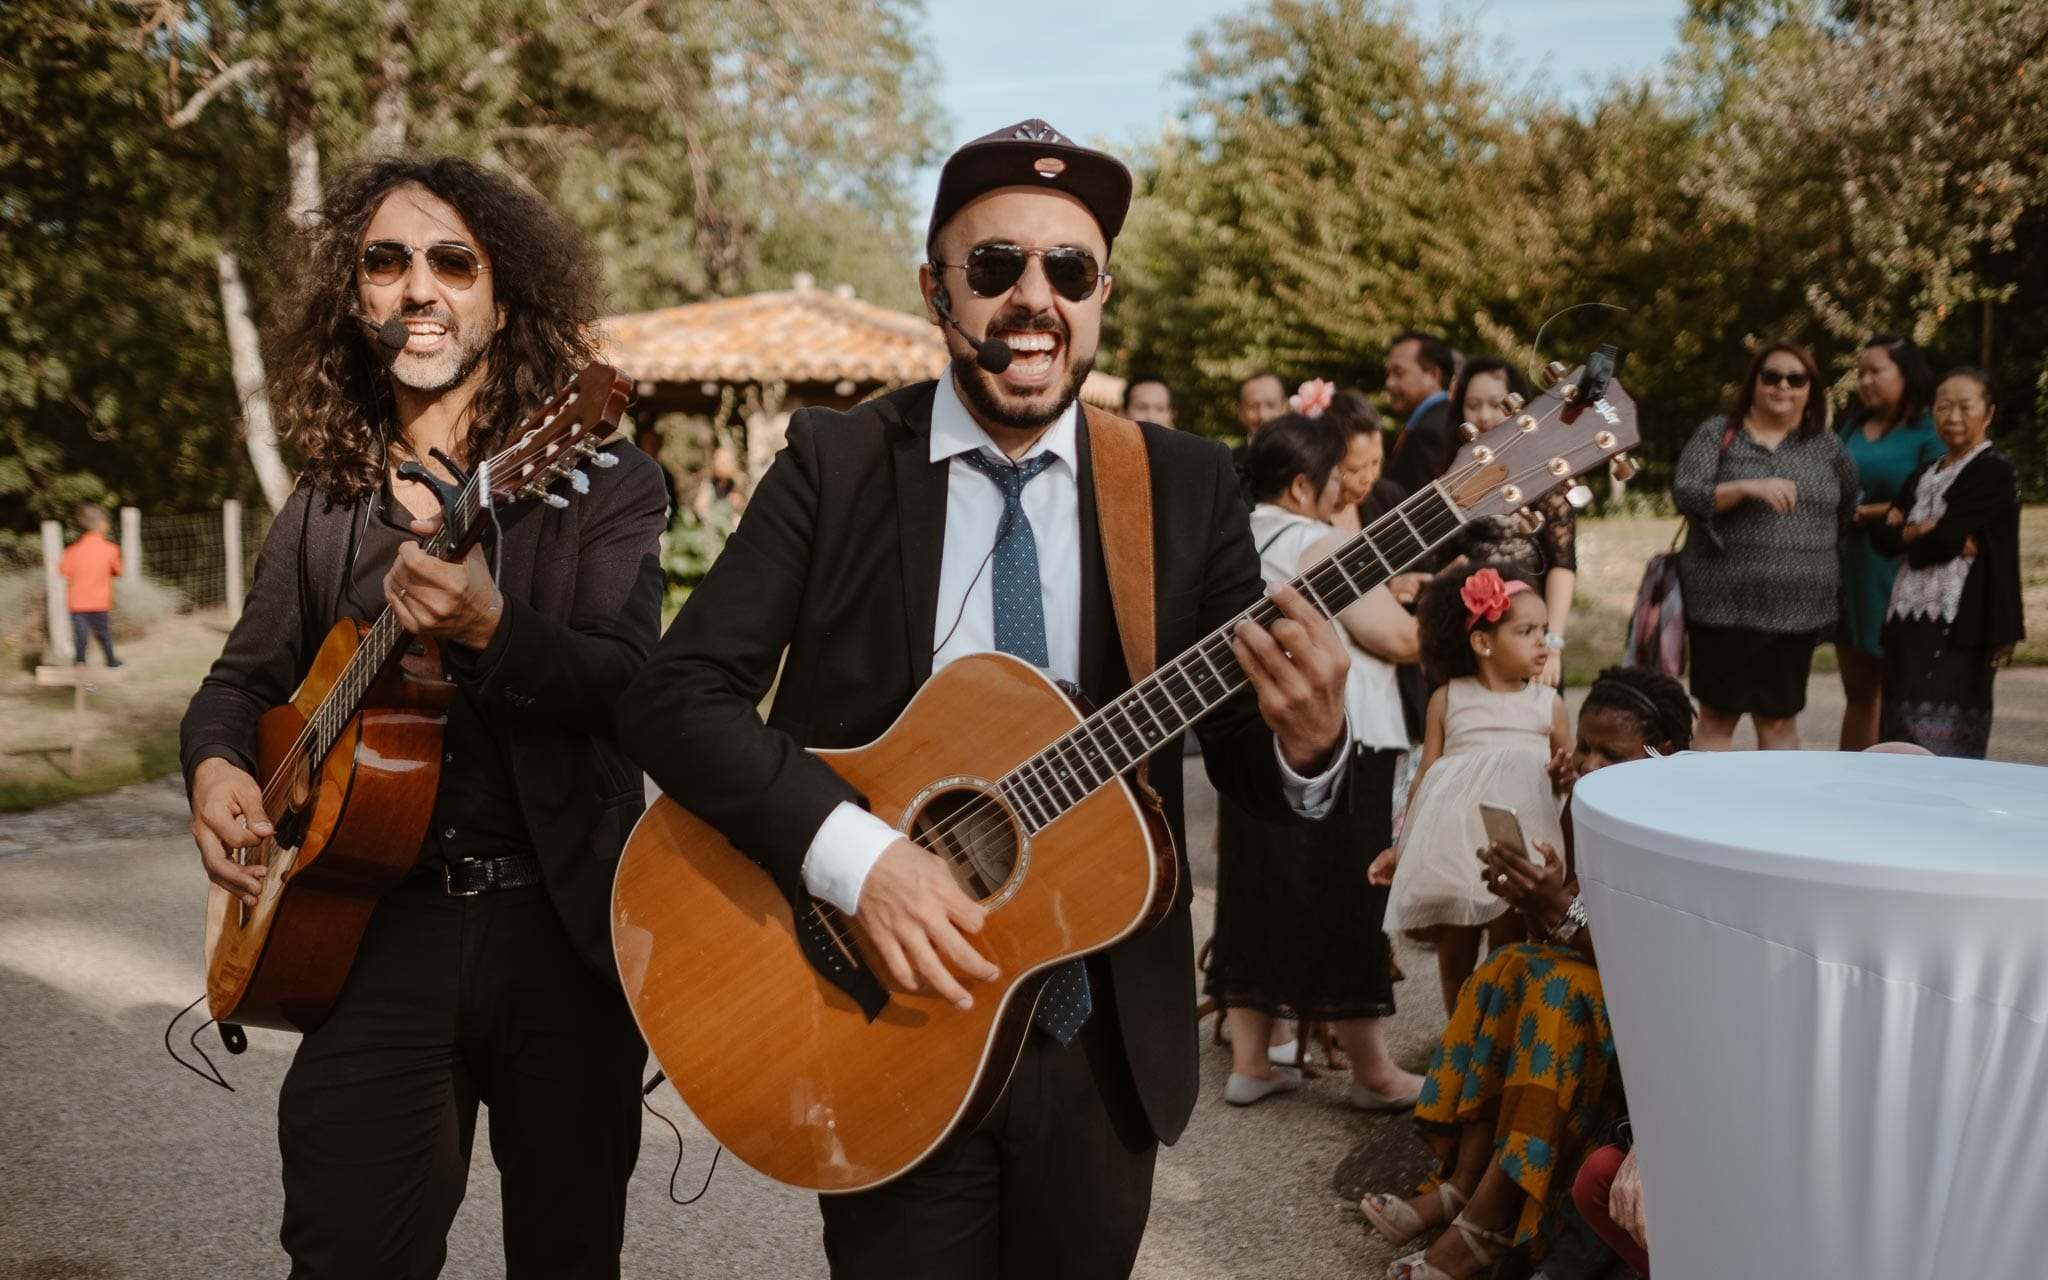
{"x":1767,"y":492}
{"x":1889,"y":431}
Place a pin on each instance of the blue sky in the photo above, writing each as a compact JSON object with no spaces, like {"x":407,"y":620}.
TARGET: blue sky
{"x":1103,"y":71}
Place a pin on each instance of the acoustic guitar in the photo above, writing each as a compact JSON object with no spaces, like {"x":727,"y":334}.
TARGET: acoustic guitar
{"x":350,"y":765}
{"x":997,"y":769}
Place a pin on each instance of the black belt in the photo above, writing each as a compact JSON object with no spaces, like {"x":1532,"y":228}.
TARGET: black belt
{"x":468,"y":877}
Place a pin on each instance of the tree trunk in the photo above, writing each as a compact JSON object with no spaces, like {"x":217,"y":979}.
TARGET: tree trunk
{"x":390,"y":109}
{"x":302,"y":152}
{"x":246,"y":354}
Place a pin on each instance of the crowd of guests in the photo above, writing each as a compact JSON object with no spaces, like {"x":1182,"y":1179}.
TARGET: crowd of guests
{"x":1893,"y":533}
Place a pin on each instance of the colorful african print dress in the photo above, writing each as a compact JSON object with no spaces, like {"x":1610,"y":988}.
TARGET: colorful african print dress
{"x":1528,"y":1051}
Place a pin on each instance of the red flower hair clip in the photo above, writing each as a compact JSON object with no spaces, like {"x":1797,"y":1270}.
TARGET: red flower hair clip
{"x":1486,"y":595}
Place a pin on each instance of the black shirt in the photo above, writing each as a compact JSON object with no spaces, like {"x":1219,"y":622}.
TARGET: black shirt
{"x":476,"y":809}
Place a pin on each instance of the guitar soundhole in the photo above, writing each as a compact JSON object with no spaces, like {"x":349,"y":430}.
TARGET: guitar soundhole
{"x":975,"y":832}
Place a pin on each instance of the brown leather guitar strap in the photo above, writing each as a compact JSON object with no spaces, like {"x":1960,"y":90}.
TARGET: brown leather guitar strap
{"x":1123,"y":514}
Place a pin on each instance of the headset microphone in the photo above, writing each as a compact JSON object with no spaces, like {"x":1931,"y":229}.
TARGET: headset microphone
{"x":991,"y":355}
{"x":392,"y":335}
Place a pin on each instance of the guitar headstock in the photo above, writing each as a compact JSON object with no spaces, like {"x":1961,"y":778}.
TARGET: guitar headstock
{"x":1583,"y":420}
{"x":556,"y":442}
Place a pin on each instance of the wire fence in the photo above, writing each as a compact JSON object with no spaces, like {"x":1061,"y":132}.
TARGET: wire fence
{"x":189,"y":553}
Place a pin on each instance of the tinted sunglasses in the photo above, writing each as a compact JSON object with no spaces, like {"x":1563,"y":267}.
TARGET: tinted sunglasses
{"x":388,"y":261}
{"x":1773,"y":377}
{"x":994,"y":269}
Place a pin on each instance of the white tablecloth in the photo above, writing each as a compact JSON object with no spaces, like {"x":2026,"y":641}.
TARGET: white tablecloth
{"x":1828,"y":978}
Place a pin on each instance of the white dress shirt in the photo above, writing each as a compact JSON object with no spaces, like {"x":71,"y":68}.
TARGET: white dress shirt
{"x":850,"y":839}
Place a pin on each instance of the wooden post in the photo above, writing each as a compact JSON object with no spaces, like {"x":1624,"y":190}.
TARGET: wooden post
{"x":231,"y":538}
{"x":131,"y":543}
{"x":54,"y":592}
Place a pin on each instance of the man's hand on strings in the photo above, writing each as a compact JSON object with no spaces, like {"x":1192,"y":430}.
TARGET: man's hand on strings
{"x":918,"y":916}
{"x":1297,"y":668}
{"x":432,"y":597}
{"x":227,"y":813}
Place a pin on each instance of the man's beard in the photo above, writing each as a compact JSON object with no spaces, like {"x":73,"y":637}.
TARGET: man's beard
{"x":980,"y":386}
{"x":449,"y":367}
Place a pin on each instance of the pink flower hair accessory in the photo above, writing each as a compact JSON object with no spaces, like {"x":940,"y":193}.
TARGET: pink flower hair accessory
{"x":1314,"y":396}
{"x":1486,"y":595}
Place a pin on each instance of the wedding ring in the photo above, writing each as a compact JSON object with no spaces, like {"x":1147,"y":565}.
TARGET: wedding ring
{"x":401,"y":592}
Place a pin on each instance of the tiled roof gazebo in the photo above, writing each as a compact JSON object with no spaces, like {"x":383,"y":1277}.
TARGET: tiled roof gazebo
{"x":811,"y":346}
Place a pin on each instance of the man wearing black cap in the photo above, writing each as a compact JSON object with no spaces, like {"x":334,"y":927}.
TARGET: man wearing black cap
{"x":946,"y":518}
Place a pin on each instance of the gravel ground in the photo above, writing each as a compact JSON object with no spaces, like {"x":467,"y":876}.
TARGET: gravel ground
{"x":116,"y":1163}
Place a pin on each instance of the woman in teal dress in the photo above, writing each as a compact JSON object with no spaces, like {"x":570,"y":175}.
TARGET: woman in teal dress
{"x":1889,"y":433}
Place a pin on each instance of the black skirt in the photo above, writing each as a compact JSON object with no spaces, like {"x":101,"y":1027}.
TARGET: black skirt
{"x":1297,"y":926}
{"x":1764,"y":673}
{"x":1936,"y":694}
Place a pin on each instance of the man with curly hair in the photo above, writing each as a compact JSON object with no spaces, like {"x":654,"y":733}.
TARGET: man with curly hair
{"x":487,"y":975}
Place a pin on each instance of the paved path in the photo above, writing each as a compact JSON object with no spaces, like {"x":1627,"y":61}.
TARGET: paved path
{"x":116,"y":1163}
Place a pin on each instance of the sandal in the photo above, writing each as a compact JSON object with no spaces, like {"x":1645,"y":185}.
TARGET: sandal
{"x":1392,"y":1218}
{"x":1417,"y":1266}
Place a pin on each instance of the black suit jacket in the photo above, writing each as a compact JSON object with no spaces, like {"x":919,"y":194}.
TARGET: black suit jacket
{"x":582,"y":598}
{"x":837,"y":562}
{"x":1424,"y":451}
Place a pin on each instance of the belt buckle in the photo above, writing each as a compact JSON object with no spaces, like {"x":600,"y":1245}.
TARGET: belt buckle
{"x":448,"y":883}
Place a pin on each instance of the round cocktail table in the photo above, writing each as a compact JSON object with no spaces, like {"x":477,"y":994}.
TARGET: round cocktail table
{"x":1828,"y":980}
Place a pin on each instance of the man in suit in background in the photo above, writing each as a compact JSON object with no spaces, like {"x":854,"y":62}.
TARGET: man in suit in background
{"x":958,"y":516}
{"x":1260,"y":399}
{"x":1420,"y":370}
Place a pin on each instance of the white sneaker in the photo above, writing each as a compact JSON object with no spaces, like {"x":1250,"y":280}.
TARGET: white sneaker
{"x":1281,"y":1055}
{"x":1243,"y":1091}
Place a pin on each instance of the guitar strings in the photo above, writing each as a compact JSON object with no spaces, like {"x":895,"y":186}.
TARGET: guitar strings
{"x":1327,"y":574}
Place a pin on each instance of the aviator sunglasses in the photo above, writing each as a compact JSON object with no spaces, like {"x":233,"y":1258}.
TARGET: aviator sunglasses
{"x":387,"y":262}
{"x":1774,"y":377}
{"x":993,"y":269}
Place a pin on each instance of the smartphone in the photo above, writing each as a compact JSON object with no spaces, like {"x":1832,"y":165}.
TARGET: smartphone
{"x":1503,"y":826}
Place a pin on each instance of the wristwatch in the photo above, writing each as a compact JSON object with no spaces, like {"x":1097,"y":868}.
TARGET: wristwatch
{"x":1552,"y":640}
{"x":1574,"y":920}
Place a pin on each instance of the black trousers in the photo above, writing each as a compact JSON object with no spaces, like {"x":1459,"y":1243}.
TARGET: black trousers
{"x":100,"y":625}
{"x":1057,"y":1182}
{"x":453,"y":1001}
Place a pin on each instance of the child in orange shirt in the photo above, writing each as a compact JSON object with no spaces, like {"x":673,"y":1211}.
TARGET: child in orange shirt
{"x":90,"y":566}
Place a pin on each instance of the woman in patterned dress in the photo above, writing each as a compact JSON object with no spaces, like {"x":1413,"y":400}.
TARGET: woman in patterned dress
{"x":1955,"y":608}
{"x":1524,"y":1080}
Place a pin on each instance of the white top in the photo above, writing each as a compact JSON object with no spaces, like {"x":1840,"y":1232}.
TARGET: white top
{"x":850,"y":839}
{"x":1372,"y":697}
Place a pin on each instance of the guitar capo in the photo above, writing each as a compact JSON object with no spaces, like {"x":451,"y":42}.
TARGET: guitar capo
{"x":446,"y":492}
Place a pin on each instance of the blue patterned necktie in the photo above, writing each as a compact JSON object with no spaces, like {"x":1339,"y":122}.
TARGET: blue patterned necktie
{"x":1020,"y":630}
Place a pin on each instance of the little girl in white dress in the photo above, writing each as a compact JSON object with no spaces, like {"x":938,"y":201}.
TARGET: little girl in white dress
{"x":1493,"y":729}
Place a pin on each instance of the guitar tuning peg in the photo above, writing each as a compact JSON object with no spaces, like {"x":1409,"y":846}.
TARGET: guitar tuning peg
{"x":1530,"y":522}
{"x":1553,"y":373}
{"x":1467,"y":432}
{"x":605,"y":461}
{"x":1579,"y":496}
{"x":1515,"y":402}
{"x":1624,"y":468}
{"x":554,"y":500}
{"x":579,"y":482}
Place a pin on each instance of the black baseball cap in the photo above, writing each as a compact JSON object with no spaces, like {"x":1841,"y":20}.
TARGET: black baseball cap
{"x":1033,"y":154}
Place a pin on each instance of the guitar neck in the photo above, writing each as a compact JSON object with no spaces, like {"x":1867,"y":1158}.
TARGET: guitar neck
{"x":387,"y":635}
{"x":1159,"y":708}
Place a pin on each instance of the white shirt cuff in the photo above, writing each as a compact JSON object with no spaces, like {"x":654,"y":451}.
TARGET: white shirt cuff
{"x":1309,"y":797}
{"x":843,"y":852}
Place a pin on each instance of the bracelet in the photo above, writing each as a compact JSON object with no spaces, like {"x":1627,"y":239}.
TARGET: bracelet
{"x":1574,"y":920}
{"x":1552,"y":640}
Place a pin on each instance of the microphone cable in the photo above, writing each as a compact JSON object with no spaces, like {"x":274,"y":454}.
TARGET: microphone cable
{"x":645,"y":1094}
{"x":212,"y":1075}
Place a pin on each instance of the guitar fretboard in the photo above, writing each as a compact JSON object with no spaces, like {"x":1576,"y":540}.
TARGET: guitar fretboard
{"x":1157,"y":709}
